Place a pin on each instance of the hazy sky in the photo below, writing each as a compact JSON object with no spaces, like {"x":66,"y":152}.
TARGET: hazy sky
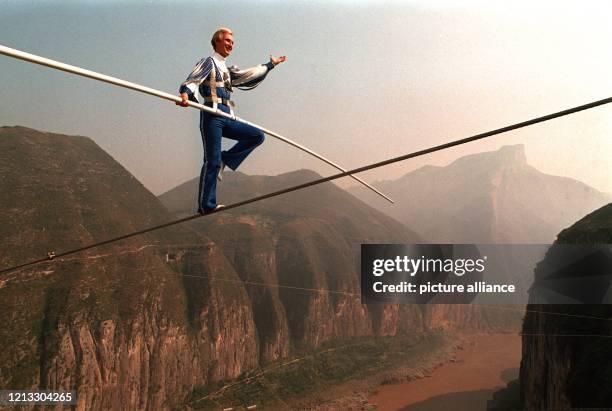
{"x":363,"y":81}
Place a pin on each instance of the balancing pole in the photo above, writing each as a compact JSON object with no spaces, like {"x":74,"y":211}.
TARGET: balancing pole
{"x":32,"y":58}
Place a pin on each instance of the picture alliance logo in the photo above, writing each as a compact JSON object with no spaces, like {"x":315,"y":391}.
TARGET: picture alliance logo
{"x":414,"y":266}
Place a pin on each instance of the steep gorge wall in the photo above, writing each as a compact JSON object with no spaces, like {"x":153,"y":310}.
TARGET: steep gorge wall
{"x":567,"y":354}
{"x":119,"y":324}
{"x":143,"y":350}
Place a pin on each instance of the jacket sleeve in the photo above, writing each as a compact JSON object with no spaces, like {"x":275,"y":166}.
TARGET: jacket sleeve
{"x":197,"y":76}
{"x":250,"y":78}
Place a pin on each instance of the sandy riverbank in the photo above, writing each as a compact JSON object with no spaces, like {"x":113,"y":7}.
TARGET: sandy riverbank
{"x":465,"y":384}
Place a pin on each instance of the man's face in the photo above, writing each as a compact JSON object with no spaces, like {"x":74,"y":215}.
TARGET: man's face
{"x":224,"y":44}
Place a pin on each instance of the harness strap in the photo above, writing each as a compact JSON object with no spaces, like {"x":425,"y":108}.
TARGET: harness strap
{"x":219,"y":100}
{"x":213,"y":87}
{"x":213,"y":84}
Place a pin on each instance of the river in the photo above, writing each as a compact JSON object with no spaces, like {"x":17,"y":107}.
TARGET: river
{"x":481,"y":368}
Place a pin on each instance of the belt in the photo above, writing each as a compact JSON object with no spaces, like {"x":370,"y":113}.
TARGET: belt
{"x":219,"y":100}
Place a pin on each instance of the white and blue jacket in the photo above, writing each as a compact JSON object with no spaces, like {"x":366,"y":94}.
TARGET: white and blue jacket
{"x":211,"y":82}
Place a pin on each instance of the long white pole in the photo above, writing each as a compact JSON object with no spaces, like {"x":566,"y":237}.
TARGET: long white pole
{"x":32,"y":58}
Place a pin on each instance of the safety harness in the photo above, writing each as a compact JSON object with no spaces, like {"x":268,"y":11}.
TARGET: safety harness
{"x":213,"y":84}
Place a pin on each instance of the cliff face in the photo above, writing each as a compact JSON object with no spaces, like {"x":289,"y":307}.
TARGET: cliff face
{"x":118,"y":324}
{"x":492,"y":197}
{"x":560,"y":371}
{"x":306,"y":245}
{"x":142,"y":355}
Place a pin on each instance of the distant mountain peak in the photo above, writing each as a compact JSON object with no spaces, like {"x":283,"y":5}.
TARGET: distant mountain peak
{"x":506,"y":156}
{"x":493,"y":196}
{"x":299,"y":175}
{"x":514,"y":154}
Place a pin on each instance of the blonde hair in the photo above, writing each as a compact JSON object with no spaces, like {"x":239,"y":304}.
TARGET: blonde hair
{"x":217,"y":35}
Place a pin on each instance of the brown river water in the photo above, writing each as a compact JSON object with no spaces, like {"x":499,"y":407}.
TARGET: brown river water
{"x":480,"y":369}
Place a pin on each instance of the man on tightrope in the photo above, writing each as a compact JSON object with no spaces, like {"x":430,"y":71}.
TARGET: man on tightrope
{"x":211,"y":83}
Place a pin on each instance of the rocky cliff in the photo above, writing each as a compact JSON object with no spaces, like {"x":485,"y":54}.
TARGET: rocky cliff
{"x":118,"y":324}
{"x":491,"y":197}
{"x":305,"y":247}
{"x":308,"y":243}
{"x":567,"y":356}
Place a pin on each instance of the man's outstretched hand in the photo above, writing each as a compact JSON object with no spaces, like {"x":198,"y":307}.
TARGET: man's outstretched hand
{"x":277,"y":60}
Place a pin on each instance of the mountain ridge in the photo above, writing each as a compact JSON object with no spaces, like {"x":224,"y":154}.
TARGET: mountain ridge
{"x":118,"y":324}
{"x":490,"y":197}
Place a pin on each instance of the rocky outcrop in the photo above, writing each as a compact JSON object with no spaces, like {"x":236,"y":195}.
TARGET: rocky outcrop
{"x":140,"y":353}
{"x":121,"y":325}
{"x":567,"y":355}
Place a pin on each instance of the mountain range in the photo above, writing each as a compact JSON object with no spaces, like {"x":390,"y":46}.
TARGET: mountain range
{"x":491,"y":197}
{"x":141,"y":323}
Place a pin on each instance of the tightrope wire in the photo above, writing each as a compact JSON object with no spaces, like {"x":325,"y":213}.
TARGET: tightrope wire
{"x":52,"y":255}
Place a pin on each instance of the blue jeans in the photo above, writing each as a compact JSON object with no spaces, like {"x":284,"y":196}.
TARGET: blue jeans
{"x":212,"y":129}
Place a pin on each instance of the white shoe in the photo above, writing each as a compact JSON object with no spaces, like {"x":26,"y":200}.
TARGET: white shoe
{"x":217,"y":208}
{"x":221,"y":170}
